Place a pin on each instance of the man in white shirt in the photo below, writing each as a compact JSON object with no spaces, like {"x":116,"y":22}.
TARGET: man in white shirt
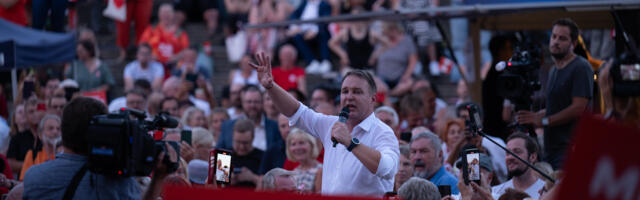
{"x":144,"y":67}
{"x":367,"y":160}
{"x":524,"y":178}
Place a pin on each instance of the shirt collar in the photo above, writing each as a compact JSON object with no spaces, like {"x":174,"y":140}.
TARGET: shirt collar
{"x":438,"y":174}
{"x":367,"y":123}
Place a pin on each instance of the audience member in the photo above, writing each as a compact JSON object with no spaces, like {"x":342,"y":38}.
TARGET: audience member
{"x":90,"y":73}
{"x":202,"y":142}
{"x":452,"y":135}
{"x":269,"y":109}
{"x":405,"y":169}
{"x":418,"y":189}
{"x":139,"y":13}
{"x":176,"y":88}
{"x":283,"y":126}
{"x":302,"y":148}
{"x":55,"y":105}
{"x":27,"y":140}
{"x":50,"y":87}
{"x":187,"y":68}
{"x":412,"y":109}
{"x":170,"y":105}
{"x":193,"y":117}
{"x":18,"y":120}
{"x":522,"y":177}
{"x":278,"y":179}
{"x":144,"y":67}
{"x":511,"y":194}
{"x":389,"y":116}
{"x":141,"y":89}
{"x":396,"y":64}
{"x":40,"y":11}
{"x":246,"y":159}
{"x":323,"y":93}
{"x":198,"y":171}
{"x":166,"y":39}
{"x":154,"y":103}
{"x":288,"y":75}
{"x":218,"y":116}
{"x":427,"y":159}
{"x":235,"y":110}
{"x":50,"y":135}
{"x":304,"y":34}
{"x":244,"y":75}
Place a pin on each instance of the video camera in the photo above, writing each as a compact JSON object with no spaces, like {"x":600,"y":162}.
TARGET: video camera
{"x":625,"y":73}
{"x":121,"y":146}
{"x":520,"y":77}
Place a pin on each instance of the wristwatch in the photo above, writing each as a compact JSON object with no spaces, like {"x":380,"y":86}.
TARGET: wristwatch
{"x":354,"y":142}
{"x":545,"y":121}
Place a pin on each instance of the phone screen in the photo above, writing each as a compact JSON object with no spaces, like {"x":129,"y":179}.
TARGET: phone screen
{"x":473,"y":163}
{"x":220,"y":168}
{"x":185,"y":135}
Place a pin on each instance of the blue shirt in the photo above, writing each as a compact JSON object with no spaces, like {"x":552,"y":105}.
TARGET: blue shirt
{"x":49,"y":180}
{"x":442,"y":177}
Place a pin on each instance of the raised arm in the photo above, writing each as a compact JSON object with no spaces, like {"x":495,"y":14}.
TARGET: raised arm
{"x":284,"y":102}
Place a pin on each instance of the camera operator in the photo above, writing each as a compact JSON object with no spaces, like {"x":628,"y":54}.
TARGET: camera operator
{"x":569,"y":89}
{"x":51,"y":179}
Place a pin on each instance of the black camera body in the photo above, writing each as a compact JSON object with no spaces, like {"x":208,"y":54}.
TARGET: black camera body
{"x":519,"y":79}
{"x":625,"y":72}
{"x":121,"y":147}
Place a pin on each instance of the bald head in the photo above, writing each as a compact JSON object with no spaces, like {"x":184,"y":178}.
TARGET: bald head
{"x":287,"y":55}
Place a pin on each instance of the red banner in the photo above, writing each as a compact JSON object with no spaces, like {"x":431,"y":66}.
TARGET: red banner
{"x":182,"y":193}
{"x":605,"y":163}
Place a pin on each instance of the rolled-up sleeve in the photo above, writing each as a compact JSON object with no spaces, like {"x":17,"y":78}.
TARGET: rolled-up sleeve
{"x":389,"y":155}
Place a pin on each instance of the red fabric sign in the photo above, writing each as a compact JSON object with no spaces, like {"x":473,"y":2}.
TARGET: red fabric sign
{"x":605,"y":163}
{"x":182,"y":193}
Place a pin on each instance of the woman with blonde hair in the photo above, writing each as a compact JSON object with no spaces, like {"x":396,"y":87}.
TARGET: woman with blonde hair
{"x":302,"y":148}
{"x":193,"y":117}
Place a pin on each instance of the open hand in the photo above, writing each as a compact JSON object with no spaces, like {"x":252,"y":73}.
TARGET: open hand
{"x":264,"y":70}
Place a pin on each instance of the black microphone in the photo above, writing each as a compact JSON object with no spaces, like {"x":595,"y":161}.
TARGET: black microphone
{"x":342,"y":117}
{"x":474,"y":116}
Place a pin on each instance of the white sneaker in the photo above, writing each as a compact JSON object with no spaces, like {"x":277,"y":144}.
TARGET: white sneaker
{"x":313,"y":67}
{"x":325,"y":67}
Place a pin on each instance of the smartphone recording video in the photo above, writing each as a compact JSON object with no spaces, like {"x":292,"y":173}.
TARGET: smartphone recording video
{"x":220,"y":166}
{"x":473,"y":161}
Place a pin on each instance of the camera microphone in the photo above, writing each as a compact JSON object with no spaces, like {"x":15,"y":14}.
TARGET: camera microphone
{"x":500,"y":66}
{"x":342,"y":117}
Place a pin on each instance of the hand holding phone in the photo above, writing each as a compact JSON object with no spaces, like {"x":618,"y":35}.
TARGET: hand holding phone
{"x":220,"y":167}
{"x":471,"y":166}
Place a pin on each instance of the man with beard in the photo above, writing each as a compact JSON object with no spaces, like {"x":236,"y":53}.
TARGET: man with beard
{"x":522,"y":178}
{"x":50,"y":134}
{"x":569,"y":89}
{"x":427,"y":157}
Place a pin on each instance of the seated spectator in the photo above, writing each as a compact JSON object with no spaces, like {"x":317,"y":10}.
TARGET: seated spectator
{"x":359,"y":43}
{"x":235,"y":110}
{"x":523,"y":178}
{"x":198,"y":171}
{"x":452,"y":135}
{"x":144,"y":67}
{"x":14,"y":11}
{"x":176,"y":88}
{"x":426,"y":157}
{"x":154,"y":103}
{"x":27,"y":140}
{"x":90,"y":73}
{"x":55,"y":105}
{"x":317,"y":33}
{"x":396,"y":64}
{"x":270,"y":109}
{"x":49,"y":129}
{"x":202,"y":141}
{"x":245,"y":74}
{"x":412,"y":109}
{"x":418,"y":189}
{"x":170,"y":105}
{"x":135,"y":98}
{"x":405,"y":169}
{"x":218,"y":116}
{"x":166,"y":39}
{"x":246,"y":158}
{"x":192,"y":118}
{"x":288,"y":75}
{"x":187,"y":69}
{"x":389,"y":116}
{"x":280,"y":180}
{"x":303,"y":148}
{"x":139,"y":13}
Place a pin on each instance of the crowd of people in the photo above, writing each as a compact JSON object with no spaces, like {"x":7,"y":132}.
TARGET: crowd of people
{"x":401,"y":137}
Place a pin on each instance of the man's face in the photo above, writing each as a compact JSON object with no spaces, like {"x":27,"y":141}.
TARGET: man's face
{"x":284,"y":183}
{"x":405,"y":170}
{"x":234,"y":94}
{"x":423,"y":152}
{"x":414,"y":119}
{"x":356,"y":96}
{"x":166,"y":14}
{"x":287,"y":56}
{"x":144,"y":54}
{"x":252,"y":104}
{"x":283,"y":125}
{"x":385,"y":117}
{"x":51,"y":87}
{"x":560,"y":43}
{"x":136,"y":101}
{"x":242,"y":143}
{"x":171,"y":90}
{"x":318,"y":96}
{"x":171,"y":107}
{"x":51,"y":131}
{"x":464,"y":114}
{"x":216,"y":121}
{"x":514,"y":166}
{"x":269,"y":107}
{"x":56,"y":106}
{"x":33,"y":115}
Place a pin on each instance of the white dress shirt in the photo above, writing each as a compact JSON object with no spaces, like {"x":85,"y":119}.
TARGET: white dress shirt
{"x":342,"y":172}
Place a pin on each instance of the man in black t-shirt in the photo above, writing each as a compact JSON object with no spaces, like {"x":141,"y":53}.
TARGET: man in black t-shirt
{"x":245,"y":159}
{"x":569,"y":89}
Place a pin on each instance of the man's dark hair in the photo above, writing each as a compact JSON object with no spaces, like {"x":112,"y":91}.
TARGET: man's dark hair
{"x":139,"y":92}
{"x":168,"y":99}
{"x":330,"y":90}
{"x":250,"y":87}
{"x":300,"y":96}
{"x":511,"y":194}
{"x":498,"y":43}
{"x":89,"y":46}
{"x":363,"y":75}
{"x":145,"y":45}
{"x":75,"y":121}
{"x":411,"y":103}
{"x":573,"y":27}
{"x":244,"y":125}
{"x":530,"y":144}
{"x":142,"y":84}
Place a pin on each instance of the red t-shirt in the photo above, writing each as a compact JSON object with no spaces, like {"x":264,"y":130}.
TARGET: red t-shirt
{"x":287,"y":79}
{"x":164,"y":44}
{"x":15,"y":13}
